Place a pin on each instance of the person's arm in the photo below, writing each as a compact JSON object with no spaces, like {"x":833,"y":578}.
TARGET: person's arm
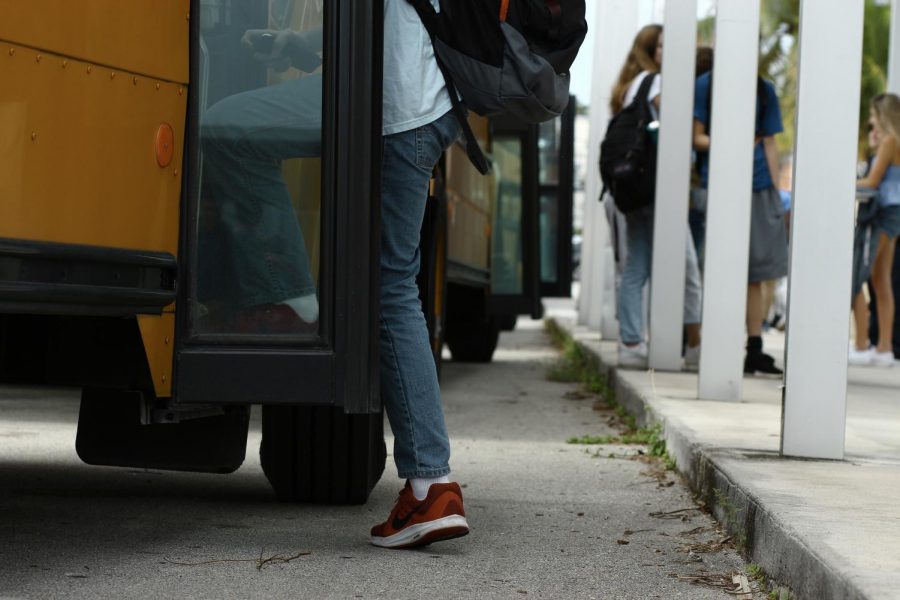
{"x":283,"y":47}
{"x":701,"y":138}
{"x":886,"y":150}
{"x":702,"y":114}
{"x":771,"y":152}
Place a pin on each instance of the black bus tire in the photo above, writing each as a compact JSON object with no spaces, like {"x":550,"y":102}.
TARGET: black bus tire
{"x":473,"y":340}
{"x":320,"y":454}
{"x":507,"y":322}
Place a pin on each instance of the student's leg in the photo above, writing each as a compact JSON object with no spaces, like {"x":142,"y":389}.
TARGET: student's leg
{"x":693,"y":294}
{"x":245,"y":137}
{"x":429,"y":508}
{"x":881,"y":277}
{"x":861,"y":322}
{"x":409,"y":385}
{"x":895,"y":286}
{"x":637,"y":271}
{"x":873,"y":312}
{"x":754,"y":308}
{"x":768,"y":260}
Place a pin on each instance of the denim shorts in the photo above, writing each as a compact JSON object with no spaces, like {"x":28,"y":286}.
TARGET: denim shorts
{"x":888,"y":220}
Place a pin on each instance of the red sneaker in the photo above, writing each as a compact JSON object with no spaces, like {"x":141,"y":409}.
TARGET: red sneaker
{"x":412,"y":523}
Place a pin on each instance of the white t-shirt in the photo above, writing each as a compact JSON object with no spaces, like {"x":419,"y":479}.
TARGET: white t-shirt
{"x":636,"y":84}
{"x":414,"y":90}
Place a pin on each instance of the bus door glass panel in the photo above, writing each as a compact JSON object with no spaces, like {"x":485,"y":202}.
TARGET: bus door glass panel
{"x":556,"y":174}
{"x":507,"y":263}
{"x":548,"y":210}
{"x":259,"y":254}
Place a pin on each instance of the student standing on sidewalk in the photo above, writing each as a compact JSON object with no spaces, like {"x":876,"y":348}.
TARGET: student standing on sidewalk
{"x":768,"y":244}
{"x":418,"y":126}
{"x":884,"y":176}
{"x":645,"y":60}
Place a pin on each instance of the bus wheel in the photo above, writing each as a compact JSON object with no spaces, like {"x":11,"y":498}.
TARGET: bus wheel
{"x":320,"y":454}
{"x":473,"y":341}
{"x":507,"y":322}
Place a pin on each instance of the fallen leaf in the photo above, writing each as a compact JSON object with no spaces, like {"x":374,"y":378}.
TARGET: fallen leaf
{"x":744,"y":591}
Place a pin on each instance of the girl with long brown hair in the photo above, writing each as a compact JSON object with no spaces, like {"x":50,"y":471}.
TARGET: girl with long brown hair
{"x":645,"y":55}
{"x":883,"y":176}
{"x":645,"y":60}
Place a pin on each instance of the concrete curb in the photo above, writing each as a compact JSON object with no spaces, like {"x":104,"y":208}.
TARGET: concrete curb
{"x":767,"y":539}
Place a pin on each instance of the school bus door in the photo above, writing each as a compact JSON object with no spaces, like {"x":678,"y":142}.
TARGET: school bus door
{"x":279,"y":299}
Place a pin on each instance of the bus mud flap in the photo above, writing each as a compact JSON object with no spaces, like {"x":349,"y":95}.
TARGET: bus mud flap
{"x":110,"y":432}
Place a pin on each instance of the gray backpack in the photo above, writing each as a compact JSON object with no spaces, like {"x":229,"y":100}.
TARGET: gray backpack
{"x":505,"y":57}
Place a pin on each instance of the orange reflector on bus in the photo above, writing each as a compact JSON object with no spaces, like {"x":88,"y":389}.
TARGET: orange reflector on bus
{"x":165,"y":145}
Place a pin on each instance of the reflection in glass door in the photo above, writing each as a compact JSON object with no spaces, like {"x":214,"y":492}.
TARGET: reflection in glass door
{"x":260,"y":130}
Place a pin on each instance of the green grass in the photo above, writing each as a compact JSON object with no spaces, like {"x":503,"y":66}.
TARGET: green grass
{"x":765,"y":585}
{"x":577,"y":366}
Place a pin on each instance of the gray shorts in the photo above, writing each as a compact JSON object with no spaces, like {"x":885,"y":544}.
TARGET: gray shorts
{"x":768,"y":236}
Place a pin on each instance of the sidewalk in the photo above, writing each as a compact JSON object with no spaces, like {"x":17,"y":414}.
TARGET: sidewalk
{"x":827,"y":529}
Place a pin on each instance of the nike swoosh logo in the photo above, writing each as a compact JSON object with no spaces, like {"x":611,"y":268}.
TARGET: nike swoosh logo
{"x":399,"y":523}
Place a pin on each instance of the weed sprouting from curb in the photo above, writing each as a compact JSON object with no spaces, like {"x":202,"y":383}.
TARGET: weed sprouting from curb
{"x":765,"y":583}
{"x":732,"y":520}
{"x":577,"y":366}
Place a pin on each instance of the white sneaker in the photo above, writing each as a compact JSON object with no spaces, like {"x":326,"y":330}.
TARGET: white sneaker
{"x":692,"y":356}
{"x":633,"y":357}
{"x":860,"y":358}
{"x":882,"y":359}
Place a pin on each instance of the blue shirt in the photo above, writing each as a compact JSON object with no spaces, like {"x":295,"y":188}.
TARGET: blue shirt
{"x":889,"y":188}
{"x":768,"y":122}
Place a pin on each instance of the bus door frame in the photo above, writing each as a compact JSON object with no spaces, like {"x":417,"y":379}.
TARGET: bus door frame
{"x":340,"y":368}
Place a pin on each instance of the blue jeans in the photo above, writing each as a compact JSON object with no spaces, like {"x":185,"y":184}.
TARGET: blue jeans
{"x":409,"y":385}
{"x":638,"y":264}
{"x":635,"y":275}
{"x":245,"y":138}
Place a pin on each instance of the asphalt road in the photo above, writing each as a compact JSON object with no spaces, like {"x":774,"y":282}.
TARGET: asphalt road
{"x":549,"y":519}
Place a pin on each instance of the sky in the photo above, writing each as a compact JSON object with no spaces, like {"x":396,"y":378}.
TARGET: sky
{"x":582,"y":68}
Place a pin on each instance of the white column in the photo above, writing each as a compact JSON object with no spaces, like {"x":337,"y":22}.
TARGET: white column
{"x":728,"y":206}
{"x":815,"y":394}
{"x":616,"y":22}
{"x":673,"y":183}
{"x":893,"y":73}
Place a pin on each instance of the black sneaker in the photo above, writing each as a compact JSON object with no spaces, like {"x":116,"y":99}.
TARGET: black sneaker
{"x":760,"y":363}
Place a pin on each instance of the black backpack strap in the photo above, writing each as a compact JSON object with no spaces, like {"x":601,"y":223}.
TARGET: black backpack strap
{"x":643,"y":93}
{"x":429,"y":18}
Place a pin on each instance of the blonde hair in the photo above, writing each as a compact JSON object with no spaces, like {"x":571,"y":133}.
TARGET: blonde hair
{"x":643,"y":49}
{"x":886,"y":108}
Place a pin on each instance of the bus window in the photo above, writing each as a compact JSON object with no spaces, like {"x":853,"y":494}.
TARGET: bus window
{"x":556,"y":175}
{"x":260,"y":137}
{"x":506,"y":243}
{"x":548,"y":179}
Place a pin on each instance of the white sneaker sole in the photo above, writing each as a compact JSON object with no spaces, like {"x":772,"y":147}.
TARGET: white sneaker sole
{"x":425,"y":533}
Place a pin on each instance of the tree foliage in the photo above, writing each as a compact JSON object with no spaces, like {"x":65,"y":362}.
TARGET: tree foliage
{"x":779,"y":33}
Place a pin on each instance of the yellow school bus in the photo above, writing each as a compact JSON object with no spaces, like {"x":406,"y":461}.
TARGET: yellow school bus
{"x":153,"y":155}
